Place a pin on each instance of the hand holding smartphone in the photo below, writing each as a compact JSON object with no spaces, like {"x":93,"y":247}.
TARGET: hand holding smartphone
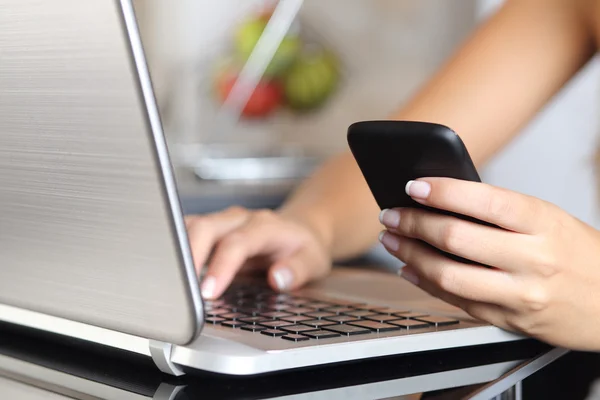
{"x":391,"y":153}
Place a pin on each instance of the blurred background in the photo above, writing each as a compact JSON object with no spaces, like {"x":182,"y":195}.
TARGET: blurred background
{"x":333,"y":63}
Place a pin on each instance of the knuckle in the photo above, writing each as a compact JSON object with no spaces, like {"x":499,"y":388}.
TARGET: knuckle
{"x":408,"y":224}
{"x":235,"y":210}
{"x":544,"y":261}
{"x":193,"y":220}
{"x":535,"y":298}
{"x":264,"y":215}
{"x":452,"y":237}
{"x":234,"y":239}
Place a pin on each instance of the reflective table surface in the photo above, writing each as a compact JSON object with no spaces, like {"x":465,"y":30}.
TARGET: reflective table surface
{"x":34,"y":365}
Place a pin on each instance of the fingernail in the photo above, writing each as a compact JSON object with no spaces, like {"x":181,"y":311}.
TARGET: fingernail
{"x":283,"y":278}
{"x":390,"y":218}
{"x":418,"y":189}
{"x":410,"y":276}
{"x":390,"y":241}
{"x":208,"y":287}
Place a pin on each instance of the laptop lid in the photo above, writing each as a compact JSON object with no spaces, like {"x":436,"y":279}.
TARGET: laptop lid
{"x":90,"y":223}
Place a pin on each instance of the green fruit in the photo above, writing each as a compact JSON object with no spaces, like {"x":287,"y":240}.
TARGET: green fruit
{"x":311,"y":80}
{"x":248,"y":34}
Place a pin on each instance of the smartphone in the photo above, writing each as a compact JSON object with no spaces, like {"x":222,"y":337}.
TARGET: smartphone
{"x":391,"y":153}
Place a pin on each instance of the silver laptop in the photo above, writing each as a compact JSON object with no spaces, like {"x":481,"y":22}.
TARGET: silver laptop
{"x":92,"y":239}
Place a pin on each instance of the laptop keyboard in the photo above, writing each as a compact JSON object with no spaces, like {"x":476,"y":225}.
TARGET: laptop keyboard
{"x":299,"y":318}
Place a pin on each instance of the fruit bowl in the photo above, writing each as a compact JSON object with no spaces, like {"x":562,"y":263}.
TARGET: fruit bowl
{"x":243,"y":140}
{"x":303,"y":73}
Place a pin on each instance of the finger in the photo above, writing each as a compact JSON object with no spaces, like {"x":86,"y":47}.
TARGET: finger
{"x":483,"y":244}
{"x":295,"y":271}
{"x":501,"y":207}
{"x":466,"y":281}
{"x":256,"y":237}
{"x":408,"y":273}
{"x":204,"y":231}
{"x":490,"y":313}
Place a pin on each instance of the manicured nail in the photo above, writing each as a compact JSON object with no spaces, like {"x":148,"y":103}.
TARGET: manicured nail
{"x":283,"y":278}
{"x":208,"y":287}
{"x":410,"y":276}
{"x":418,"y":189}
{"x":390,"y":241}
{"x":390,"y":218}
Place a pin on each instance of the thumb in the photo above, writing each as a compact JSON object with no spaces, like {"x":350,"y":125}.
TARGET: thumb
{"x":295,"y":271}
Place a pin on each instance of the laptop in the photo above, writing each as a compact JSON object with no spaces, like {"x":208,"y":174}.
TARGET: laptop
{"x":92,"y":239}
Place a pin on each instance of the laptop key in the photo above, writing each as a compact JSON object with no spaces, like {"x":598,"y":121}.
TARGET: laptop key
{"x":319,"y":314}
{"x":318,"y":323}
{"x":369,"y":307}
{"x":389,"y":311}
{"x":375,"y":326}
{"x":299,"y":310}
{"x":276,"y":324}
{"x":275,"y":314}
{"x":244,"y":302}
{"x":296,"y":318}
{"x":319,"y":305}
{"x":414,"y":314}
{"x":295,"y":338}
{"x":321,"y":334}
{"x":381,"y":318}
{"x":275,"y":297}
{"x":410,"y":324}
{"x":233,"y":315}
{"x":297,"y":301}
{"x":215,"y":320}
{"x":359,"y":313}
{"x":232,"y":324}
{"x":280,"y":307}
{"x":340,"y":319}
{"x":217,"y":312}
{"x":252,"y":312}
{"x":438,"y":321}
{"x":338,"y":309}
{"x":253,"y":328}
{"x":348,"y":329}
{"x":274,"y":332}
{"x":298,"y":328}
{"x":348,"y":303}
{"x":254,"y":320}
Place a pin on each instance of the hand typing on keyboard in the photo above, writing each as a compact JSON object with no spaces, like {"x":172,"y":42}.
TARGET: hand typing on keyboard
{"x":239,"y":239}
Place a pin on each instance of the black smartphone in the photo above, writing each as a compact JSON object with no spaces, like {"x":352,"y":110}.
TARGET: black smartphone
{"x":391,"y":153}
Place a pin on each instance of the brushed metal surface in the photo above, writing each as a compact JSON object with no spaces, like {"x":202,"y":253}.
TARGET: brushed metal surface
{"x":90,"y":227}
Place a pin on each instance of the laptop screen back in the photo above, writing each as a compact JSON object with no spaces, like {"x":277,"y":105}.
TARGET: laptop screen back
{"x":90,"y":226}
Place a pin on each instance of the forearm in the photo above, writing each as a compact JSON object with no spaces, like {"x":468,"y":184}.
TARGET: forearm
{"x":337,"y":203}
{"x":494,"y":84}
{"x":505,"y":73}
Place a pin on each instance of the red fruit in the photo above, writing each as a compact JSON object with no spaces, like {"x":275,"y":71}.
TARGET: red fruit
{"x":267,"y":96}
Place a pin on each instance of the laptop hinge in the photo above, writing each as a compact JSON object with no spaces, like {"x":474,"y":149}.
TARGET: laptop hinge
{"x":161,"y":355}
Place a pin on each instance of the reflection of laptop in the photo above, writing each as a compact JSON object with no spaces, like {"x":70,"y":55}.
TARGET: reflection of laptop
{"x":92,"y":240}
